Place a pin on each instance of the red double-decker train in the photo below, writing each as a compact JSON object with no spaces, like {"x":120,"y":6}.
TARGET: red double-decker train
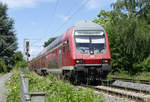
{"x":82,"y":53}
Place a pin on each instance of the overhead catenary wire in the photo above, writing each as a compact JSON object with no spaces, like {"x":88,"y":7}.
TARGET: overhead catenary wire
{"x":54,"y":12}
{"x":84,"y":2}
{"x":52,"y":19}
{"x":70,"y":17}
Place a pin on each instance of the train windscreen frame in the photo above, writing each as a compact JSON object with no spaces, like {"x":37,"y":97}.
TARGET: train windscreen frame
{"x":90,"y":42}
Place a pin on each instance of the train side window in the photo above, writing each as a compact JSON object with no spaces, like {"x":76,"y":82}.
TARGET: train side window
{"x":63,"y":47}
{"x":68,"y":45}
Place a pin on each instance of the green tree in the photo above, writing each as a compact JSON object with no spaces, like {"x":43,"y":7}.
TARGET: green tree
{"x":8,"y":44}
{"x":134,"y":28}
{"x":128,"y":33}
{"x":17,"y":57}
{"x":49,"y":41}
{"x":19,"y":61}
{"x":104,"y":18}
{"x":138,"y":8}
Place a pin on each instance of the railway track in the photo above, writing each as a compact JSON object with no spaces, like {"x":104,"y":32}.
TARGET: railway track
{"x":133,"y":80}
{"x":123,"y":92}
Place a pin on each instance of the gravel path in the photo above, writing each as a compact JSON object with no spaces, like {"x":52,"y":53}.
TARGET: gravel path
{"x":2,"y":87}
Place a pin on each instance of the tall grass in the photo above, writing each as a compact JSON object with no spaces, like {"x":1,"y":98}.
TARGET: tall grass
{"x":1,"y":74}
{"x":56,"y":90}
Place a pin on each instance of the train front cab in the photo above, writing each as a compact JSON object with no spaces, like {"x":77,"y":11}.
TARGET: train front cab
{"x":92,"y":55}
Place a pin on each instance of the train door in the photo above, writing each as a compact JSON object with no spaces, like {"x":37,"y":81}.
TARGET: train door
{"x":59,"y":58}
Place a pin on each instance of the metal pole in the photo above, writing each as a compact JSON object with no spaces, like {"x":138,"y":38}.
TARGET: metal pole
{"x":24,"y":88}
{"x":25,"y":95}
{"x":21,"y":91}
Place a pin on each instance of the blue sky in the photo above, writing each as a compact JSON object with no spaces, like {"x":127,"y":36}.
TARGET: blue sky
{"x":38,"y":20}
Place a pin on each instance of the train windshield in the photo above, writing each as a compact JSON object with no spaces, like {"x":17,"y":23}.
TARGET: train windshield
{"x":87,"y":41}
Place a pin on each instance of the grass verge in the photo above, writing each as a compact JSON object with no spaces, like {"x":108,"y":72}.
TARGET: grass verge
{"x":56,"y":90}
{"x":1,"y":74}
{"x":125,"y":74}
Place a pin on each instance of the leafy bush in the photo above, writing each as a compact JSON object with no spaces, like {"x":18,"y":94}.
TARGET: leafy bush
{"x":56,"y":90}
{"x":143,"y":66}
{"x":3,"y":67}
{"x":146,"y":64}
{"x":21,"y":64}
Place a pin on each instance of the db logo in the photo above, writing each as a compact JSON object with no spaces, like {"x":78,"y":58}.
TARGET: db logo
{"x":92,"y":56}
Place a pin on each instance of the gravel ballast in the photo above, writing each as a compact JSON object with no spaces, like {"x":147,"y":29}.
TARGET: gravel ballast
{"x":132,"y":85}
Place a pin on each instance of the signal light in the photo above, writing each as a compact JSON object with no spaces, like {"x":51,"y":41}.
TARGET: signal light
{"x":27,"y":45}
{"x":79,"y":61}
{"x":27,"y":53}
{"x":105,"y":61}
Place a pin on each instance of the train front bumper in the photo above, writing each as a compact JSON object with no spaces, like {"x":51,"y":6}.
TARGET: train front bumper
{"x":98,"y":67}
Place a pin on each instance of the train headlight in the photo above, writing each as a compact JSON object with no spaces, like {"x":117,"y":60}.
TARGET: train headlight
{"x":79,"y":61}
{"x":105,"y":61}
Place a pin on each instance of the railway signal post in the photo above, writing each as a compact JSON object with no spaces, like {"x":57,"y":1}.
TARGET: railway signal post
{"x":27,"y":50}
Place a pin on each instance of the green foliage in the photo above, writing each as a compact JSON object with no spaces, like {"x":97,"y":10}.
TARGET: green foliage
{"x":3,"y":67}
{"x":49,"y":41}
{"x":56,"y":90}
{"x":17,"y":57}
{"x":146,"y":64}
{"x":125,"y":74}
{"x":1,"y":74}
{"x":145,"y":76}
{"x":8,"y":43}
{"x":14,"y":87}
{"x":120,"y":73}
{"x":104,"y":18}
{"x":138,"y":7}
{"x":129,"y":34}
{"x":19,"y":62}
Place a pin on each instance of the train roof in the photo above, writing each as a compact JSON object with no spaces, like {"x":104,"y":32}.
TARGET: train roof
{"x":87,"y":25}
{"x":54,"y":43}
{"x":82,"y":25}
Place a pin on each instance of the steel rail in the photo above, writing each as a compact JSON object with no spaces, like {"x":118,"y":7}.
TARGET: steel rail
{"x":129,"y":89}
{"x":133,"y":80}
{"x":121,"y":92}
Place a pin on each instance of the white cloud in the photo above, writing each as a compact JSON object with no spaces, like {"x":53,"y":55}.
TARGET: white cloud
{"x":23,"y":3}
{"x":64,"y":18}
{"x":93,"y":4}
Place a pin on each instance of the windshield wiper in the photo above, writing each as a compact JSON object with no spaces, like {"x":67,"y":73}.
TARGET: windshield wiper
{"x":83,"y":50}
